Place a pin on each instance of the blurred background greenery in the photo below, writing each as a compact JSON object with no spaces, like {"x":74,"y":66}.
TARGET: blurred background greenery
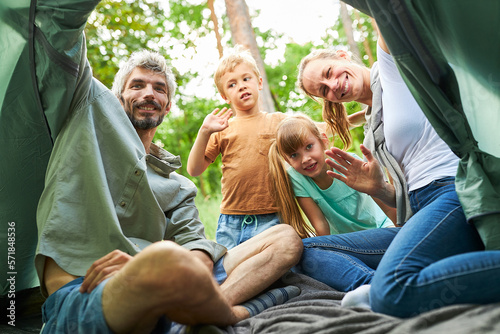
{"x":209,"y":212}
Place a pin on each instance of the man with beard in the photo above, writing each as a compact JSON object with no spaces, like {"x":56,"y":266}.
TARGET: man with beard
{"x":121,"y":248}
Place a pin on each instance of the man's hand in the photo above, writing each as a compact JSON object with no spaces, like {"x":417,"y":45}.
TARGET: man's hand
{"x":362,"y":176}
{"x":103,"y":268}
{"x":204,"y":257}
{"x":217,"y":121}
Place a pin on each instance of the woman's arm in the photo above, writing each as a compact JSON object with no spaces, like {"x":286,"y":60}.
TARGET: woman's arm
{"x":390,"y":212}
{"x":357,"y":119}
{"x":315,"y":215}
{"x":381,"y":41}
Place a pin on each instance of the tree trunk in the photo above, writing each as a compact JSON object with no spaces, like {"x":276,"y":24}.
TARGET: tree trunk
{"x":242,"y":33}
{"x":213,"y":17}
{"x":347,"y":23}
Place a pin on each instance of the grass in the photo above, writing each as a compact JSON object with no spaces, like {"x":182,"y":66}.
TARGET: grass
{"x":209,"y":209}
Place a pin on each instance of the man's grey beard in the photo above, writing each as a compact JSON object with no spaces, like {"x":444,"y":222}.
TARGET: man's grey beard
{"x":145,"y":124}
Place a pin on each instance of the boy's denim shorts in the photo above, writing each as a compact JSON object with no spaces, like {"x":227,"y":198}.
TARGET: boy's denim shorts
{"x":69,"y":311}
{"x":232,"y":230}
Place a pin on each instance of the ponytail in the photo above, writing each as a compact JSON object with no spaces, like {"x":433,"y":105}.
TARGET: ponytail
{"x":288,"y":209}
{"x":335,"y":116}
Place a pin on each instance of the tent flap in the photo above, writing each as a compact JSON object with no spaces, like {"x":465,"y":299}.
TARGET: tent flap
{"x":437,"y":55}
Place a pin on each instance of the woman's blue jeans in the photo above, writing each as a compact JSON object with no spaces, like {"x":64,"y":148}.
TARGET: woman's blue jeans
{"x":435,"y":259}
{"x":345,"y":261}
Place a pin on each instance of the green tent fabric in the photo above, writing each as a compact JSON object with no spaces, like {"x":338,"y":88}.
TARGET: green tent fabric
{"x":29,"y":123}
{"x":448,"y":53}
{"x":25,"y":143}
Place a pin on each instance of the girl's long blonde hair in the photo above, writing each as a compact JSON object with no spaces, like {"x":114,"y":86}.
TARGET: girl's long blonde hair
{"x":334,"y":113}
{"x":291,"y":134}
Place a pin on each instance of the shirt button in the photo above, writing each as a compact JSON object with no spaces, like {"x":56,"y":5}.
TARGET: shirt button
{"x":122,"y":204}
{"x":137,"y":172}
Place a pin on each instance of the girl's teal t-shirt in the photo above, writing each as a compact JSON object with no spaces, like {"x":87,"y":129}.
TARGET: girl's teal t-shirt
{"x":345,"y":209}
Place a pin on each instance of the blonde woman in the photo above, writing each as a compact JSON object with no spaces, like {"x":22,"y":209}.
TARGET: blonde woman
{"x":436,"y":258}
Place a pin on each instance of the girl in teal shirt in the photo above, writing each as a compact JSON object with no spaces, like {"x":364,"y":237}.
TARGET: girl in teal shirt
{"x":298,"y":173}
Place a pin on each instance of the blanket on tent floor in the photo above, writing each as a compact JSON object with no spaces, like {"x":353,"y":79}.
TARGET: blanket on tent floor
{"x":317,"y":310}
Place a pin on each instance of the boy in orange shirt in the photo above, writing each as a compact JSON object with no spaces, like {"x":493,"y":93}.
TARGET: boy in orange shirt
{"x":247,"y":207}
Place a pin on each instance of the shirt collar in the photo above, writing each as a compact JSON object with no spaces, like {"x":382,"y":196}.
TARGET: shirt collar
{"x":162,"y":161}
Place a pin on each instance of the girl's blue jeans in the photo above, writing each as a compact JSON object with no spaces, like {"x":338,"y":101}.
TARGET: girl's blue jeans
{"x":435,"y":259}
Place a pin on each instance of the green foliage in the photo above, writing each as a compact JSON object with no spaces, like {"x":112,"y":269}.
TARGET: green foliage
{"x":185,"y":19}
{"x":209,"y":208}
{"x":337,"y":38}
{"x":282,"y":81}
{"x":116,"y":29}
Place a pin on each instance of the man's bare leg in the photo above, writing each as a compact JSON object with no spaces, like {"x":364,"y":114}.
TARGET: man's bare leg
{"x":257,"y":263}
{"x":165,"y":279}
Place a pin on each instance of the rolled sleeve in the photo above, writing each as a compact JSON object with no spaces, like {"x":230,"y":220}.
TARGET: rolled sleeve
{"x":184,"y":226}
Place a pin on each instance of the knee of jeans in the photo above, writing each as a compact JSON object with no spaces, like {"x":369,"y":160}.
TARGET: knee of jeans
{"x":309,"y":262}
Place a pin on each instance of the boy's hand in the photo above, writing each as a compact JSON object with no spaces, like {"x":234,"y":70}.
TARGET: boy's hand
{"x":217,"y":121}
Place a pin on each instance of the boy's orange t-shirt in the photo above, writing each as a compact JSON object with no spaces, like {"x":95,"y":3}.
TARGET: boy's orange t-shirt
{"x":244,"y":146}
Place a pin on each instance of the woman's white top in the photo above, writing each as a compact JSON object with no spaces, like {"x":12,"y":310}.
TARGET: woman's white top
{"x":410,"y":138}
